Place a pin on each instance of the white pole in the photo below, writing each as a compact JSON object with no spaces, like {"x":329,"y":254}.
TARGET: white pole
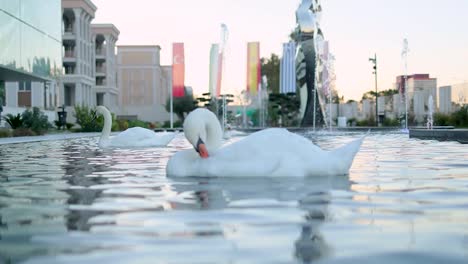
{"x":405,"y":54}
{"x":330,"y":107}
{"x":224,"y":113}
{"x":171,"y":96}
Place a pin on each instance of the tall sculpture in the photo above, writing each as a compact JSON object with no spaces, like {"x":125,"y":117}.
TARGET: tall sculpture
{"x":308,"y":36}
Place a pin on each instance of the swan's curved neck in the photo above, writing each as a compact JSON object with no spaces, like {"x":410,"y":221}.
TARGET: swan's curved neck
{"x":107,"y":125}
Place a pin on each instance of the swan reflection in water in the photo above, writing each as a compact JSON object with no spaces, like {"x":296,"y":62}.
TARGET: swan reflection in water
{"x":310,"y":196}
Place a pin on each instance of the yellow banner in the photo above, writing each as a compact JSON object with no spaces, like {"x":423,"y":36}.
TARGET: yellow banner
{"x":253,"y":67}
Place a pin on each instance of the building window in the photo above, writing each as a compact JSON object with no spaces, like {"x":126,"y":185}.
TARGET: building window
{"x":69,"y":95}
{"x":24,"y":86}
{"x":24,"y":94}
{"x":99,"y":98}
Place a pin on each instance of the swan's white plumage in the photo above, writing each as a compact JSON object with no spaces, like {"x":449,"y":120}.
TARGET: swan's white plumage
{"x":271,"y":152}
{"x":132,"y":137}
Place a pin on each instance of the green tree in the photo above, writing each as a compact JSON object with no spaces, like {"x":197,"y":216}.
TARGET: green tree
{"x":271,"y":69}
{"x":285,"y":106}
{"x":182,"y":105}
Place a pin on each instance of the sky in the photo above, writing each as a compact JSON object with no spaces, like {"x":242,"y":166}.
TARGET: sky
{"x":356,"y":30}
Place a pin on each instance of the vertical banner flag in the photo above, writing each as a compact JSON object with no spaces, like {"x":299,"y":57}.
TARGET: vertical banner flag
{"x":288,"y":69}
{"x":253,"y":67}
{"x":178,"y":70}
{"x":214,"y":53}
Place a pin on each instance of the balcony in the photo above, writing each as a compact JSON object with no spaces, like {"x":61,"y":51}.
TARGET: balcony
{"x":100,"y":53}
{"x":69,"y":70}
{"x":68,"y":35}
{"x":100,"y":81}
{"x":100,"y":71}
{"x":69,"y":56}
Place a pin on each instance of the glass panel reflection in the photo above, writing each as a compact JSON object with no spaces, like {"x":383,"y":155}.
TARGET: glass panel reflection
{"x":30,"y":36}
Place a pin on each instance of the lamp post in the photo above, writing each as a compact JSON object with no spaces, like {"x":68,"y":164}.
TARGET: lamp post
{"x":374,"y":61}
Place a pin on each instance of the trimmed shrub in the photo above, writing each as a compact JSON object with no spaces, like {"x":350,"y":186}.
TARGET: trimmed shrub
{"x":5,"y":132}
{"x":35,"y":120}
{"x":87,"y":119}
{"x":167,"y":124}
{"x":23,"y":132}
{"x":137,"y":123}
{"x":122,"y":125}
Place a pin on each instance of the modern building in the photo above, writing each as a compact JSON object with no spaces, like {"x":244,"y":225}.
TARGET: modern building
{"x":79,"y":58}
{"x":30,"y":55}
{"x":420,"y":87}
{"x":144,"y":84}
{"x":105,"y":37}
{"x":452,"y":97}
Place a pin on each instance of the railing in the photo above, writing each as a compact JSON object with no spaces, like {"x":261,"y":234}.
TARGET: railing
{"x":100,"y":52}
{"x":100,"y":69}
{"x":69,"y":70}
{"x":100,"y":82}
{"x":69,"y":54}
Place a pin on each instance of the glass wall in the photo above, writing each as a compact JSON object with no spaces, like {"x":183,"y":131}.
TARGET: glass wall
{"x":30,"y":36}
{"x":2,"y":94}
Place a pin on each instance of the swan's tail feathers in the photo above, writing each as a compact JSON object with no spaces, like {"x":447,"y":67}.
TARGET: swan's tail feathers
{"x":346,"y":153}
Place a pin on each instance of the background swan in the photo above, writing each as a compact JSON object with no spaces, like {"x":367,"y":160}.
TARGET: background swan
{"x":270,"y":152}
{"x":132,"y":137}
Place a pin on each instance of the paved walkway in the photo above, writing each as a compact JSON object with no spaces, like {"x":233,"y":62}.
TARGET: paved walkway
{"x":13,"y":140}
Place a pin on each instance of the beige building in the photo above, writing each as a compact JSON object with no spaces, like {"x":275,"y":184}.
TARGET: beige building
{"x":105,"y":37}
{"x":78,"y":49}
{"x":452,"y":97}
{"x":143,"y":83}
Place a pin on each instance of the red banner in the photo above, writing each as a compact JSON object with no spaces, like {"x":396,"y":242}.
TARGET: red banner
{"x":178,"y":70}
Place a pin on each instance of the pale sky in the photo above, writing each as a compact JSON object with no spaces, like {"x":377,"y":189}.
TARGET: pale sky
{"x":436,"y":33}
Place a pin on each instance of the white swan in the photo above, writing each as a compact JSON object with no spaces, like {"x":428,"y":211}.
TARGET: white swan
{"x":132,"y":137}
{"x":270,"y":152}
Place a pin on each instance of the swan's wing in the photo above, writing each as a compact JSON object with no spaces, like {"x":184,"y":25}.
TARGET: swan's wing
{"x":141,"y":137}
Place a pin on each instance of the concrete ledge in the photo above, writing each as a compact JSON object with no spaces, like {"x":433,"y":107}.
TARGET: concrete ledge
{"x":16,"y":140}
{"x":459,"y":135}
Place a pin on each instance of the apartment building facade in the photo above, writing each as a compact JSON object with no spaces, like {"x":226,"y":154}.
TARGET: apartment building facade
{"x":105,"y":37}
{"x":79,"y":58}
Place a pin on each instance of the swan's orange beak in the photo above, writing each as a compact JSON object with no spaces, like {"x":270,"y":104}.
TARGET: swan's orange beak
{"x":203,"y":151}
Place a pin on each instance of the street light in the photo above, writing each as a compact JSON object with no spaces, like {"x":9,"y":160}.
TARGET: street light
{"x":374,"y":61}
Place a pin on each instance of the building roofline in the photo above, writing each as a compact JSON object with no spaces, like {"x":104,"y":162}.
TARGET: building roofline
{"x":105,"y":26}
{"x":138,"y":46}
{"x":88,"y":5}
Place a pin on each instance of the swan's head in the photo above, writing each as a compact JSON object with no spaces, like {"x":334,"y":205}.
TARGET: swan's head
{"x":203,"y":131}
{"x":101,"y":110}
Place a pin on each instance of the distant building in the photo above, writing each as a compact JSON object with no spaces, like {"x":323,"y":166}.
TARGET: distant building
{"x":143,"y":83}
{"x":79,"y":58}
{"x":453,"y":97}
{"x":30,"y":56}
{"x":105,"y":37}
{"x":420,"y":87}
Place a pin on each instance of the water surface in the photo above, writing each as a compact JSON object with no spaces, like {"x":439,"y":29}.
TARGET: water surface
{"x":68,"y":201}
